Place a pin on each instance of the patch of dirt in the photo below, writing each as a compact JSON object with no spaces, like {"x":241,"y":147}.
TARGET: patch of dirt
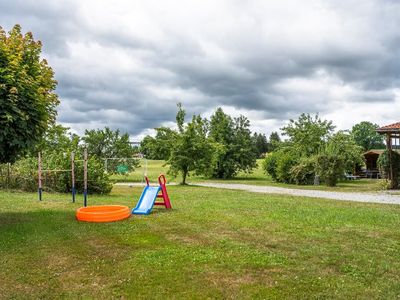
{"x":232,"y":282}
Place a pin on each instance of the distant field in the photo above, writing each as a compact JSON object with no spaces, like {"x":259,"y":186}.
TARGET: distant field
{"x":213,"y":244}
{"x":156,"y":167}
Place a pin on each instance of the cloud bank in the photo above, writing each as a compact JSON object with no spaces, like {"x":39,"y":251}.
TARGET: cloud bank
{"x":125,"y":64}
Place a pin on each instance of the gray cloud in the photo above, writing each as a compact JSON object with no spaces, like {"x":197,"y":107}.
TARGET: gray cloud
{"x":126,"y":65}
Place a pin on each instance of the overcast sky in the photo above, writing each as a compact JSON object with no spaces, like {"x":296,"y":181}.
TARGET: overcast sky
{"x":125,"y":64}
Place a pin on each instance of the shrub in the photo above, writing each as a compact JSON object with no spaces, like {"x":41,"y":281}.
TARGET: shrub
{"x":304,"y":171}
{"x":279,"y":164}
{"x":384,"y":166}
{"x":285,"y":162}
{"x":330,"y":168}
{"x":269,"y":164}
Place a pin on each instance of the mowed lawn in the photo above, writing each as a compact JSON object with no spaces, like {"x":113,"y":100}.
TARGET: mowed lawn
{"x":212,"y":244}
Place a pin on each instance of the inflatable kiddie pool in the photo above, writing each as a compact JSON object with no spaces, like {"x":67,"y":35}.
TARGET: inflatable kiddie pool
{"x":103,"y":213}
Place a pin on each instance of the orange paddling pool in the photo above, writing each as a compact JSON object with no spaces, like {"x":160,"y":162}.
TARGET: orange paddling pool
{"x":103,"y":213}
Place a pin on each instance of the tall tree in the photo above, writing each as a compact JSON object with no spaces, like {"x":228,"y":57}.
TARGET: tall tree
{"x":245,"y":152}
{"x":261,"y":143}
{"x":308,"y":134}
{"x":238,"y":151}
{"x":365,"y":135}
{"x":193,"y":151}
{"x":147,"y":147}
{"x":274,"y":141}
{"x":159,"y":147}
{"x":27,"y":99}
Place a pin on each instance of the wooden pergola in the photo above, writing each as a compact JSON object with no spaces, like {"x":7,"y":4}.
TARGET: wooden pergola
{"x":392,"y":133}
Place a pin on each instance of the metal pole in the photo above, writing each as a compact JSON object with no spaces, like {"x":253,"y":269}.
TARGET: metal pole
{"x":73,"y":176}
{"x":85,"y":164}
{"x":40,"y":176}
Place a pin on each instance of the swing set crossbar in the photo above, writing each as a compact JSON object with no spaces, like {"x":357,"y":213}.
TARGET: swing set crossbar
{"x":72,"y":171}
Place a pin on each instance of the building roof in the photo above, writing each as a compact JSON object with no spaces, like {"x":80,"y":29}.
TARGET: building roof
{"x":374,"y":151}
{"x":395,"y":127}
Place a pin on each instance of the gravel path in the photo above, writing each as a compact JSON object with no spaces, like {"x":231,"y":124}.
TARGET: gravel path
{"x":344,"y":196}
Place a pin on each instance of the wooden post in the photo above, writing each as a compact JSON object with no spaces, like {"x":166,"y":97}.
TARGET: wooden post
{"x":85,"y":165}
{"x":73,"y":189}
{"x":40,"y":176}
{"x":389,"y":148}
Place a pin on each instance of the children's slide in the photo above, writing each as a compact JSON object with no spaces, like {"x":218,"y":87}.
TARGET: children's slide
{"x":146,"y":200}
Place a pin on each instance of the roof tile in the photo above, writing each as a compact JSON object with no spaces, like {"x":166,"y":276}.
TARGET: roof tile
{"x":394,"y":126}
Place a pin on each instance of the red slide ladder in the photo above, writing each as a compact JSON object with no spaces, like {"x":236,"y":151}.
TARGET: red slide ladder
{"x":162,"y":193}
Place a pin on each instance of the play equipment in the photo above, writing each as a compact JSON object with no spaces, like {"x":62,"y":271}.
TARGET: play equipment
{"x":71,"y":170}
{"x":122,"y":168}
{"x":150,"y":193}
{"x":103,"y":213}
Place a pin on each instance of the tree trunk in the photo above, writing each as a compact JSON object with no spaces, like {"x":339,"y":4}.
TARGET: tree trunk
{"x":184,"y":175}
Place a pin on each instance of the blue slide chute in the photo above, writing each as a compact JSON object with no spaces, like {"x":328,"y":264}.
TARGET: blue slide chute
{"x":146,"y":200}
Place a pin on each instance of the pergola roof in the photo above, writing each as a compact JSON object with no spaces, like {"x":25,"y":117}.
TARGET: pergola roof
{"x":391,"y":128}
{"x":374,"y":152}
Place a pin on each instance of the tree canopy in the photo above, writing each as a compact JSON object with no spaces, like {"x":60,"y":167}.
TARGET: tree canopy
{"x":261,"y":143}
{"x":193,"y":151}
{"x":274,"y":141}
{"x":307,"y":134}
{"x":365,"y":135}
{"x":238,"y":150}
{"x":27,"y":98}
{"x":158,"y":147}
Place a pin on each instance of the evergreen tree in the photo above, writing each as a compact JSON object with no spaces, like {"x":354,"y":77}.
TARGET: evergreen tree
{"x":261,"y":143}
{"x":274,"y":141}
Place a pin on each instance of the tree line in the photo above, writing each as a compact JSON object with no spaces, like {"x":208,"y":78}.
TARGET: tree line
{"x":313,"y":151}
{"x":220,"y":147}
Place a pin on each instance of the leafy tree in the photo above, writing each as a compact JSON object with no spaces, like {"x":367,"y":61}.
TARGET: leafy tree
{"x":245,"y":152}
{"x":147,"y":147}
{"x":106,"y":144}
{"x":160,"y":146}
{"x":329,"y":167}
{"x":57,"y":138}
{"x":222,"y":132}
{"x":365,"y":135}
{"x":308,"y":134}
{"x":342,"y":144}
{"x":274,"y":141}
{"x":27,"y":99}
{"x":340,"y":154}
{"x":238,"y":151}
{"x":261,"y":143}
{"x":193,"y":151}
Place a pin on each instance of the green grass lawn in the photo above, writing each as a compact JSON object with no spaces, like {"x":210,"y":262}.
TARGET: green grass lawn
{"x":156,"y":167}
{"x":212,"y":244}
